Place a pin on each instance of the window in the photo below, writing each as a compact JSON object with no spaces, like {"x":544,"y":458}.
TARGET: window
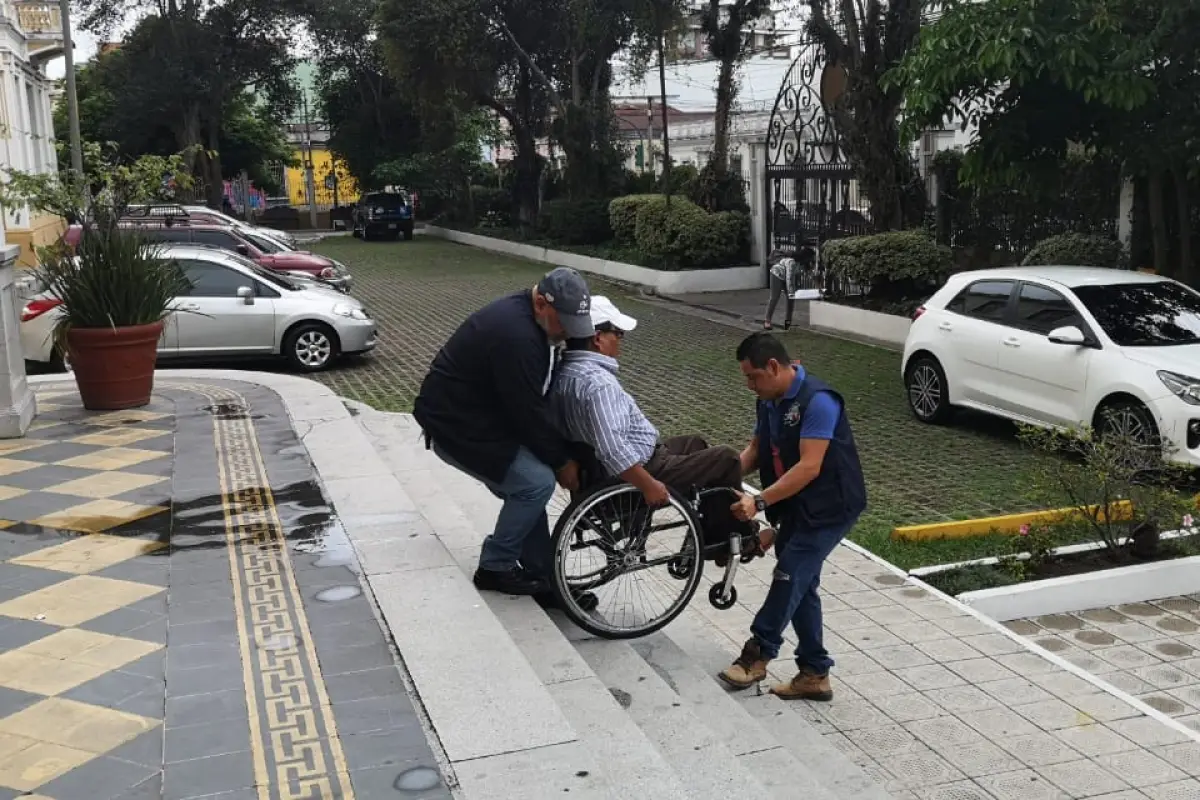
{"x":213,"y":280}
{"x":164,"y":234}
{"x":1151,"y":314}
{"x":1041,"y":310}
{"x":216,"y":238}
{"x":986,"y":300}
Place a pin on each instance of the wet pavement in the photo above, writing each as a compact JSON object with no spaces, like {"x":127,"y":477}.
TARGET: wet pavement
{"x":182,"y":617}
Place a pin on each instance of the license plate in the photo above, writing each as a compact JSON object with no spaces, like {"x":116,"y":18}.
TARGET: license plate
{"x":391,"y":226}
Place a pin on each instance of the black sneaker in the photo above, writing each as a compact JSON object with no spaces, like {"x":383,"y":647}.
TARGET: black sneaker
{"x":585,"y":600}
{"x":514,"y":581}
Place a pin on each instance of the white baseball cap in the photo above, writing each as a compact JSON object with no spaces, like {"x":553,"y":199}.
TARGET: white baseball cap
{"x":603,"y":311}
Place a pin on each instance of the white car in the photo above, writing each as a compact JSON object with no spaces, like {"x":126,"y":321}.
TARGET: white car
{"x":235,"y":308}
{"x":1062,"y":347}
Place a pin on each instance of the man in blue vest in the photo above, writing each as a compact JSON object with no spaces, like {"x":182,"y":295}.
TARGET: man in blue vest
{"x":813,"y":493}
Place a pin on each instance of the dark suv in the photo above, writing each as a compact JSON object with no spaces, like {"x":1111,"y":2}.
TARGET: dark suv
{"x":385,"y":214}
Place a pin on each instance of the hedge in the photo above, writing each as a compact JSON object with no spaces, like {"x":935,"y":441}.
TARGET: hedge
{"x":1078,"y":250}
{"x":622,"y":215}
{"x":896,"y":264}
{"x":575,"y":221}
{"x":685,"y":236}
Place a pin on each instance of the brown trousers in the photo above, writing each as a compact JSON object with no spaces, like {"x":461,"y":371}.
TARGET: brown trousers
{"x":684,"y":462}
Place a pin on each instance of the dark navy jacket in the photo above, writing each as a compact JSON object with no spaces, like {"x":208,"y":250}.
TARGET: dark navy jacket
{"x":838,"y":495}
{"x":484,"y":395}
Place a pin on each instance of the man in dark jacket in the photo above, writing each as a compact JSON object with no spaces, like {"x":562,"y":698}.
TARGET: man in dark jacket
{"x":484,"y":410}
{"x":813,"y":492}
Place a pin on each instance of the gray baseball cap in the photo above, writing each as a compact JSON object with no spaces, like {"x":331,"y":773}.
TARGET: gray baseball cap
{"x":567,"y":291}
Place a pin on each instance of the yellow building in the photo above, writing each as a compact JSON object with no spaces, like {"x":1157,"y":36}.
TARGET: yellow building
{"x":343,"y":189}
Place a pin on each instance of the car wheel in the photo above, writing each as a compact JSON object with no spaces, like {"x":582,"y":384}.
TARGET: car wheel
{"x":927,"y":390}
{"x":408,"y":234}
{"x":310,"y":347}
{"x":1127,"y":419}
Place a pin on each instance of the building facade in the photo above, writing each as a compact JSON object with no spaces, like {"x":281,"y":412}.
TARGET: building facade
{"x":30,"y":36}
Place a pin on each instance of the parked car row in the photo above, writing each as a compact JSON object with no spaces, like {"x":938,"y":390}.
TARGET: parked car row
{"x":1064,"y":347}
{"x":251,"y":294}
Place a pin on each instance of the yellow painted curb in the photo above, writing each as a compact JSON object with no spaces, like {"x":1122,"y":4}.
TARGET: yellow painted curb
{"x":1009,"y":523}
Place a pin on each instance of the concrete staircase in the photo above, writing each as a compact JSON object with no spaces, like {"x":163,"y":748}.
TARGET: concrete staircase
{"x":528,"y":706}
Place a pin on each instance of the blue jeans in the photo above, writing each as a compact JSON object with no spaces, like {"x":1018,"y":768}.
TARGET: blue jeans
{"x":522,"y":532}
{"x":793,"y":595}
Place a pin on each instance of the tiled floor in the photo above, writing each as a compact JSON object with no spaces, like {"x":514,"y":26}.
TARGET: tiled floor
{"x":1151,"y":650}
{"x":180,"y":618}
{"x":938,"y":705}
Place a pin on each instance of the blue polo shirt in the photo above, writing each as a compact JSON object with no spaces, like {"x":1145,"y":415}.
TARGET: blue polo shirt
{"x":820,"y":418}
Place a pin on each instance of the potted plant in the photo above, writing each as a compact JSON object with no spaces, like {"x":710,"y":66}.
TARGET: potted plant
{"x":114,"y":290}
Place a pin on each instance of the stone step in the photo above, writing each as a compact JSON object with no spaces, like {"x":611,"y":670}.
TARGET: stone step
{"x":712,"y":704}
{"x":710,"y":652}
{"x":620,"y":761}
{"x":708,"y":769}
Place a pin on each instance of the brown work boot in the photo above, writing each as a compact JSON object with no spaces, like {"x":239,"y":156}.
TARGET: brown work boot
{"x":748,"y":669}
{"x":807,"y":685}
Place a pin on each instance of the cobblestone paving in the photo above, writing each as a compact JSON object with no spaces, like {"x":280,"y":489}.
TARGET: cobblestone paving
{"x":937,"y":705}
{"x":188,"y":627}
{"x":681,"y":368}
{"x":1151,"y":650}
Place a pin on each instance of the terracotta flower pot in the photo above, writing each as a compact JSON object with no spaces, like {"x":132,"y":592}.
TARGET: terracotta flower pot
{"x":114,"y":367}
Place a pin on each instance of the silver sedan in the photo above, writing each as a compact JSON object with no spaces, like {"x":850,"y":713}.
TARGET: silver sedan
{"x":234,"y":308}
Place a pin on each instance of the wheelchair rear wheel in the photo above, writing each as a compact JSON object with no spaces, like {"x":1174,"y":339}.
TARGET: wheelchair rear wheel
{"x":642,"y":563}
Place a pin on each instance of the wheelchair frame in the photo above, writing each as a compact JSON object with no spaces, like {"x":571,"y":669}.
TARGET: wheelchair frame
{"x":722,"y":595}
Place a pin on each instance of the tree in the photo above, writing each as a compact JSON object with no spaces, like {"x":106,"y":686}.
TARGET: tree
{"x":861,"y":42}
{"x":1037,"y":83}
{"x":251,"y":137}
{"x":371,"y":120}
{"x":187,"y":60}
{"x":654,"y":23}
{"x":724,"y":26}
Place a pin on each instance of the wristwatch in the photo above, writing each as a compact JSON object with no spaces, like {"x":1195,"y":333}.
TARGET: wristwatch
{"x":759,"y":503}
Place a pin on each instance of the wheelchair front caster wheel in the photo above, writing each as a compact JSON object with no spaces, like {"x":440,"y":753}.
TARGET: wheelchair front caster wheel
{"x":680,"y":568}
{"x":717,"y":599}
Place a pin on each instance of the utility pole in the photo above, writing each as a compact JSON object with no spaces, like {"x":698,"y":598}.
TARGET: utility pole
{"x":662,"y":90}
{"x":64,"y":11}
{"x":310,"y":186}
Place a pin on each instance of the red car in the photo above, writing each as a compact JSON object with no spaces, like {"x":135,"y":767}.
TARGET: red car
{"x":309,"y":265}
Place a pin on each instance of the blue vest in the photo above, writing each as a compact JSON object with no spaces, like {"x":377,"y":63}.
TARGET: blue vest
{"x":838,"y":495}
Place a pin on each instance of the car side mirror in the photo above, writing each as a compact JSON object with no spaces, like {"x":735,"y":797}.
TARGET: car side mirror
{"x":1068,"y":335}
{"x":243,"y":249}
{"x":247,"y":295}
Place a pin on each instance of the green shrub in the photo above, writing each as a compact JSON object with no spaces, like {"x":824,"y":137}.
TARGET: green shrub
{"x":1078,"y":250}
{"x":575,"y":221}
{"x":622,"y":215}
{"x":896,"y":265}
{"x":684,"y":236}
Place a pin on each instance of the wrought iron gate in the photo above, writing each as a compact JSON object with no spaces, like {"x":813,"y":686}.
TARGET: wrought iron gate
{"x":811,"y":193}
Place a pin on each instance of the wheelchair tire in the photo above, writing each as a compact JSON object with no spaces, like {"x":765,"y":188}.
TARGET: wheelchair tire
{"x":565,"y":535}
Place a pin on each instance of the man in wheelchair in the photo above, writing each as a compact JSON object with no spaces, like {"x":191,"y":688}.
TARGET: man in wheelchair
{"x":592,"y":408}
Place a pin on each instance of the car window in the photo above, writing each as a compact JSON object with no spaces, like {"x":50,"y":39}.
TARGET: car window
{"x":1151,"y":314}
{"x":220,"y":239}
{"x":213,"y":280}
{"x":986,"y":300}
{"x":1042,"y":310}
{"x":165,"y":234}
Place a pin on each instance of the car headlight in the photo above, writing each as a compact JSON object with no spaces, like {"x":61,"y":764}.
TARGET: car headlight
{"x":353,"y":312}
{"x":1185,"y":388}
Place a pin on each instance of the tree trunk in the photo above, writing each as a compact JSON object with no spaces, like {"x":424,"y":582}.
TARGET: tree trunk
{"x":526,"y":186}
{"x":214,"y":184}
{"x":1158,"y":222}
{"x":1183,"y":207}
{"x":726,"y":93}
{"x":666,"y":136}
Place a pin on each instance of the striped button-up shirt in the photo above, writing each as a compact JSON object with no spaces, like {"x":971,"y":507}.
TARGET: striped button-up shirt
{"x":590,"y":406}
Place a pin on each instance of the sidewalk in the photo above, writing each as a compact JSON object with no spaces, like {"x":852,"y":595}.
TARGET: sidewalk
{"x":179,"y":616}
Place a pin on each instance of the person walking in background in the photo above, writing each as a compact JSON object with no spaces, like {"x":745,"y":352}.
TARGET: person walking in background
{"x":813,"y":493}
{"x":782,"y":282}
{"x":484,"y":409}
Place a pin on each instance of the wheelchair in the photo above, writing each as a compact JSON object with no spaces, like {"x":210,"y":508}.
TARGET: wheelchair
{"x":642,"y":564}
